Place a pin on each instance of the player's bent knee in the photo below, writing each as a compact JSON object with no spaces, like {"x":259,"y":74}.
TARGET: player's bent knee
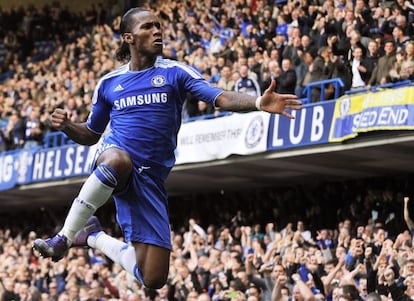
{"x":118,"y":159}
{"x":154,"y":281}
{"x":153,"y":263}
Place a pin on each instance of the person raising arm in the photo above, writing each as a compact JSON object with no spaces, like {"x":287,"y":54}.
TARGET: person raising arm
{"x":142,"y":102}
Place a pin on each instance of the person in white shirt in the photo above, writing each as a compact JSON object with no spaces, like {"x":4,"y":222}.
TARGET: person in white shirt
{"x":359,"y":70}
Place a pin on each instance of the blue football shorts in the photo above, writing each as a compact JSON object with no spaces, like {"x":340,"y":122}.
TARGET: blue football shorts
{"x":142,"y":207}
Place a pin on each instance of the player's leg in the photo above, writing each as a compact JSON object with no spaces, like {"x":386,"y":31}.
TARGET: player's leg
{"x":153,"y":263}
{"x":149,"y":264}
{"x":112,"y":173}
{"x":142,"y":213}
{"x":113,"y":169}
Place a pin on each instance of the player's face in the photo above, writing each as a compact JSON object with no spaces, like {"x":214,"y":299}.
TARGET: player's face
{"x":147,"y":34}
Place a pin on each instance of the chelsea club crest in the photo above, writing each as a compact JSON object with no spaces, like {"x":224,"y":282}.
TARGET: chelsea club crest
{"x":158,"y":81}
{"x":345,"y":107}
{"x":254,"y":132}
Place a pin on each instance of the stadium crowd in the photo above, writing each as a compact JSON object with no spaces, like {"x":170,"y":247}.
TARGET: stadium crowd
{"x":273,"y":246}
{"x":52,"y":57}
{"x":333,"y":241}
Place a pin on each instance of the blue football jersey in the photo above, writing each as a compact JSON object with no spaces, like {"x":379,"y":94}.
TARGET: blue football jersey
{"x":144,"y":108}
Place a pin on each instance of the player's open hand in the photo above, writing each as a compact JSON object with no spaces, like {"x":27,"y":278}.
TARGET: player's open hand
{"x":273,"y":102}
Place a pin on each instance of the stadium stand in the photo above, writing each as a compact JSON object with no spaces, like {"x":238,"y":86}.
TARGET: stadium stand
{"x":334,"y":236}
{"x":270,"y":48}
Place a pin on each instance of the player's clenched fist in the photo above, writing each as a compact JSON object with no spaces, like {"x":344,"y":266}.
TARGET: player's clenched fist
{"x":59,"y":119}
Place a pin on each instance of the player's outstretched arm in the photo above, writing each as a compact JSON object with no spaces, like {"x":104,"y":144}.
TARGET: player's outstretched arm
{"x":270,"y":102}
{"x":78,"y":132}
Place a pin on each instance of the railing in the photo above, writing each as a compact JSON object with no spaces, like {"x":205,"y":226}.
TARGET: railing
{"x":377,"y":88}
{"x":337,"y":83}
{"x":399,"y":84}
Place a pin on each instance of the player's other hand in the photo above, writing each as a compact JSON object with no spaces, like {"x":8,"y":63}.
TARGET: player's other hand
{"x":59,"y":119}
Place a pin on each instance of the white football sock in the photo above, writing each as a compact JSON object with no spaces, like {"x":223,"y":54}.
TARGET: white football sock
{"x":118,"y":251}
{"x":92,"y":195}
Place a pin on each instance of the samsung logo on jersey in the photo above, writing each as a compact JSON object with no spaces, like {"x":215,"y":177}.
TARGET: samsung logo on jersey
{"x":140,"y":100}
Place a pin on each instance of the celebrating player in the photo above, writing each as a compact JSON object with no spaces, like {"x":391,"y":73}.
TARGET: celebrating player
{"x":142,"y":102}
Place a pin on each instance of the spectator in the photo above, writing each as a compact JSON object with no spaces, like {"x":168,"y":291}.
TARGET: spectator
{"x":303,"y":76}
{"x":286,"y":81}
{"x":391,"y":286}
{"x":9,"y":290}
{"x":365,"y":22}
{"x":395,"y":72}
{"x":15,"y":131}
{"x":293,"y":43}
{"x":380,"y":74}
{"x":71,"y":107}
{"x":390,"y":21}
{"x":270,"y":70}
{"x":321,"y":68}
{"x":407,"y":66}
{"x":247,"y":84}
{"x":226,"y":82}
{"x":225,"y":32}
{"x":301,"y":291}
{"x":399,"y":36}
{"x":371,"y":59}
{"x":344,"y":48}
{"x":319,"y":32}
{"x":402,"y":22}
{"x":282,"y":25}
{"x":255,"y":63}
{"x":33,"y":130}
{"x":359,"y":69}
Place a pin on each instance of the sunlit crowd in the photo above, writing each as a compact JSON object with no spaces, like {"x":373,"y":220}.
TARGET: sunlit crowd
{"x":287,"y":245}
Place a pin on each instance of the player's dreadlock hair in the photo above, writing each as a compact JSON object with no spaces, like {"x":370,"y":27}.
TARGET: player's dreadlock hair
{"x":123,"y":54}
